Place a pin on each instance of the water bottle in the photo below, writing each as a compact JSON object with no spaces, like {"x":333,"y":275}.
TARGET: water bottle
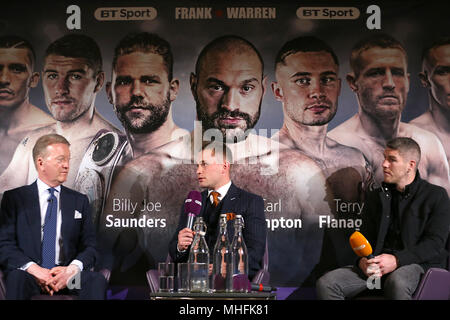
{"x":221,"y":259}
{"x":199,"y":258}
{"x":239,"y":258}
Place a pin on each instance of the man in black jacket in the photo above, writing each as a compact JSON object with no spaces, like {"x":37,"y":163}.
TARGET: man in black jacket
{"x":406,"y":220}
{"x":213,"y":174}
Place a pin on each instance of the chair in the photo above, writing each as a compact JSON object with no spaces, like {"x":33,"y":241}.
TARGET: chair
{"x":106,"y":273}
{"x":435,"y":283}
{"x":262,"y":276}
{"x":153,"y":277}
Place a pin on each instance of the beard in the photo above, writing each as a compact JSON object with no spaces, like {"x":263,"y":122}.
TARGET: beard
{"x":231,"y":133}
{"x":149,"y":123}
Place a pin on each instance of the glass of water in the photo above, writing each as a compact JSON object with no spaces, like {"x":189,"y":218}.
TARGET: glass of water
{"x":199,"y":277}
{"x":166,"y":271}
{"x":183,"y":277}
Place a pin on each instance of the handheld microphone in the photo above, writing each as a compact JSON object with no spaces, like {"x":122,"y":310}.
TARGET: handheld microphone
{"x":262,"y":288}
{"x":192,"y":207}
{"x":360,"y":245}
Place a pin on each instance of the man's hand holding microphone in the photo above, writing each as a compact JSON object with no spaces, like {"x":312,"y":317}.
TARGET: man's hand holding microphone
{"x":369,"y":264}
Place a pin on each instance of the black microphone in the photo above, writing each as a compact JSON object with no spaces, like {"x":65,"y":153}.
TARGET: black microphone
{"x":192,"y":207}
{"x":262,"y":288}
{"x":50,"y":200}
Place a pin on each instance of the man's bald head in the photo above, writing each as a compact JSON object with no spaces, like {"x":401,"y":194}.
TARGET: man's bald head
{"x":231,"y":44}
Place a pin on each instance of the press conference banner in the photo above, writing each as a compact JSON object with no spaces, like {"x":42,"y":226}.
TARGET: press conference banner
{"x":305,"y":94}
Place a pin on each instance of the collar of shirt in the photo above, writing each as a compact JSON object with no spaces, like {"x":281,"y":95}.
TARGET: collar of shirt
{"x":222,"y":190}
{"x":43,"y":189}
{"x":409,"y":189}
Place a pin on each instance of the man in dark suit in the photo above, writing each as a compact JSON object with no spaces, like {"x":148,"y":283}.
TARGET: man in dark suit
{"x":406,"y":221}
{"x":47,"y":239}
{"x":222,"y":196}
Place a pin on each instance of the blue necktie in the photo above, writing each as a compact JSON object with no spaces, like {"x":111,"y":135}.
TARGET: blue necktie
{"x":49,"y":239}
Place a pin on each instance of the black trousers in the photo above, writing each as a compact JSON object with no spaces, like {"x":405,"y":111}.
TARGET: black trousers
{"x":20,"y":285}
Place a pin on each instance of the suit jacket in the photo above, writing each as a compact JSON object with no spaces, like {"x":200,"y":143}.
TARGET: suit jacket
{"x":20,"y":228}
{"x":238,"y":201}
{"x":424,"y":227}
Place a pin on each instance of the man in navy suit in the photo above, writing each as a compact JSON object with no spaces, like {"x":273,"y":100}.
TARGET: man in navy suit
{"x":47,"y":239}
{"x":213,"y":174}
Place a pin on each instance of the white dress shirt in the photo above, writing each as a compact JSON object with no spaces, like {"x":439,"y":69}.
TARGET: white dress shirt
{"x":222,"y":191}
{"x":44,"y":195}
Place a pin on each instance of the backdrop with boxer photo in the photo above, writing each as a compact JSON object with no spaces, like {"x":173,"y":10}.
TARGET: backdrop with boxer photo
{"x":188,"y":26}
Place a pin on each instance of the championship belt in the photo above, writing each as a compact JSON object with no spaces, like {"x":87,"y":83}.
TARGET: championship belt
{"x":96,"y":170}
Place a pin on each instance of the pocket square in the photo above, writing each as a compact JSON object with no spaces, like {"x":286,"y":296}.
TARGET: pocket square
{"x":77,"y":215}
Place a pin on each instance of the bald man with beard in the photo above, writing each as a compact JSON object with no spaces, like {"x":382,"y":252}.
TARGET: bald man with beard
{"x":228,"y":86}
